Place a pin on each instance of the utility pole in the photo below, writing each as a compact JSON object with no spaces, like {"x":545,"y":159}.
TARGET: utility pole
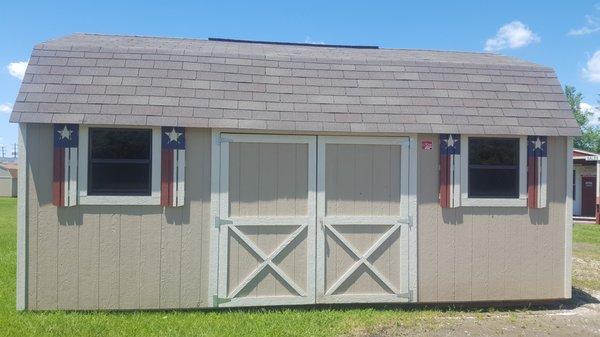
{"x":14,"y":150}
{"x":2,"y":150}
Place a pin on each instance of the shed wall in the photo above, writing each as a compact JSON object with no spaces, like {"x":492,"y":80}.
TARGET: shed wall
{"x":487,"y":253}
{"x":123,"y":257}
{"x":8,"y":187}
{"x":117,"y":257}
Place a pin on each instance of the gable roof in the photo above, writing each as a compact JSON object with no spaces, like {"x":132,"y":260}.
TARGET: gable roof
{"x":131,"y":80}
{"x":11,"y":168}
{"x":581,"y":154}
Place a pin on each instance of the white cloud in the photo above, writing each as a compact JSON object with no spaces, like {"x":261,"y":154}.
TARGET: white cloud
{"x":17,"y":69}
{"x":511,"y":35}
{"x":592,"y":26}
{"x":594,"y":110}
{"x":308,"y":39}
{"x":5,"y":108}
{"x":591,"y":72}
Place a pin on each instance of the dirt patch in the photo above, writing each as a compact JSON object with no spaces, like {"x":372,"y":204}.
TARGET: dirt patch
{"x":580,"y":317}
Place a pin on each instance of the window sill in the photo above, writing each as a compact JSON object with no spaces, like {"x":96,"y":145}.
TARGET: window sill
{"x":483,"y":202}
{"x":119,"y":200}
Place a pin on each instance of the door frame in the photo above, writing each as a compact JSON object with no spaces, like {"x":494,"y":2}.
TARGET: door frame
{"x":213,"y":270}
{"x":407,"y":224}
{"x":221,"y":223}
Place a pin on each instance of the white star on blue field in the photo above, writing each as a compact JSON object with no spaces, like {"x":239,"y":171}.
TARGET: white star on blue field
{"x":564,"y":35}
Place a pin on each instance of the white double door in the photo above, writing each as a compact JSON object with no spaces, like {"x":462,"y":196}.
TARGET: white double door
{"x":307,"y":219}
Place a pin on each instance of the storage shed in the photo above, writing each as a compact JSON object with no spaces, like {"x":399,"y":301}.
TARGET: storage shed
{"x":163,"y":173}
{"x":8,"y":180}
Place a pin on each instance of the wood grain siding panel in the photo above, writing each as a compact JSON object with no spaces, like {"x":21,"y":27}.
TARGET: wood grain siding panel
{"x":47,"y":252}
{"x":117,"y":257}
{"x":32,"y":218}
{"x":129,"y":261}
{"x":486,"y":253}
{"x":110,"y":234}
{"x":362,"y":180}
{"x":267,"y":179}
{"x":68,"y":262}
{"x":150,"y":238}
{"x":88,"y":254}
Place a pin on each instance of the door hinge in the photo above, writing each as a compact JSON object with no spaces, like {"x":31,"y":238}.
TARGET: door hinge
{"x":219,"y":300}
{"x":408,"y":220}
{"x":218,"y":222}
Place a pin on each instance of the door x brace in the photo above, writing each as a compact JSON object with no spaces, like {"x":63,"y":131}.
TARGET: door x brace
{"x":362,"y":259}
{"x":267,"y":260}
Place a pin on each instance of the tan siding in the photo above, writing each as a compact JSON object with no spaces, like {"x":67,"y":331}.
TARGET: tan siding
{"x":267,"y":179}
{"x":484,"y":253}
{"x":89,"y":253}
{"x":362,"y":180}
{"x":32,"y":219}
{"x":129,"y":261}
{"x":8,"y":186}
{"x":150,"y":260}
{"x":47,"y":231}
{"x":117,"y":257}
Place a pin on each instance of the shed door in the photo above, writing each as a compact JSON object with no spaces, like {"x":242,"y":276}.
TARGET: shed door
{"x":362,"y":209}
{"x":267,"y":220}
{"x":588,"y":196}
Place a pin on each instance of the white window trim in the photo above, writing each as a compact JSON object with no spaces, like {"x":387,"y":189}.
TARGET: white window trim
{"x":152,"y":199}
{"x":521,"y":201}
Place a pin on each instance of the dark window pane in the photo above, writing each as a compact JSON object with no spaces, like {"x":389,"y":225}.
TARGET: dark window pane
{"x":493,"y":167}
{"x":493,"y":183}
{"x":120,"y":179}
{"x":493,"y":151}
{"x":120,"y":162}
{"x":120,"y":143}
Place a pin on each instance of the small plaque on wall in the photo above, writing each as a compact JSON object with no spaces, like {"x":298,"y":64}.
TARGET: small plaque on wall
{"x":427,"y":145}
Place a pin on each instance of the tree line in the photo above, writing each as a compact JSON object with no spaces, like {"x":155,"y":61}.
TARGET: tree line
{"x":589,"y":124}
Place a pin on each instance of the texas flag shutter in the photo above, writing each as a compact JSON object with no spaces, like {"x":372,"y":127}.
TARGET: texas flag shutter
{"x":537,"y":171}
{"x":172,"y":185}
{"x":449,"y":170}
{"x":64,"y":184}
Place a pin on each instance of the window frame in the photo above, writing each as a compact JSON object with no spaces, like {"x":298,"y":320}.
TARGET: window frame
{"x":152,"y":199}
{"x":520,"y":201}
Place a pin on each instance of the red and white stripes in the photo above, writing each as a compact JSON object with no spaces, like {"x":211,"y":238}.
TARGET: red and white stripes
{"x":65,"y":162}
{"x":537,"y":171}
{"x":172,"y":167}
{"x":450,"y":170}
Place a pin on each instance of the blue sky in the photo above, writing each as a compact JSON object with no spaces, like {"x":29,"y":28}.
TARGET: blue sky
{"x":564,"y":35}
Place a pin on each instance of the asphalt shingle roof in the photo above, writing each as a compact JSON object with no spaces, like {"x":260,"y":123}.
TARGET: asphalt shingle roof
{"x":102,"y":79}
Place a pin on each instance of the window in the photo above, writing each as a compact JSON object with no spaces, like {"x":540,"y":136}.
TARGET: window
{"x":493,"y":168}
{"x":120,"y":161}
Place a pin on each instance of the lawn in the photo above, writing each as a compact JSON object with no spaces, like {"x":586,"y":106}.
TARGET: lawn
{"x":586,"y":257}
{"x":284,"y":322}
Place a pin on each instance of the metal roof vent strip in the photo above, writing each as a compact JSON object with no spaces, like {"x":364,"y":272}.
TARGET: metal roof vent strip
{"x":293,"y":43}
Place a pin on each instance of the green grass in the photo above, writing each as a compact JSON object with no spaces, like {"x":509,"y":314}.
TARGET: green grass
{"x":586,"y":253}
{"x":267,"y":322}
{"x":284,"y":322}
{"x":585,"y":233}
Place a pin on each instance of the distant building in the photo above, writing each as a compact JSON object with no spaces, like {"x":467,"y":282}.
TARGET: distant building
{"x":8,"y":180}
{"x":586,"y":191}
